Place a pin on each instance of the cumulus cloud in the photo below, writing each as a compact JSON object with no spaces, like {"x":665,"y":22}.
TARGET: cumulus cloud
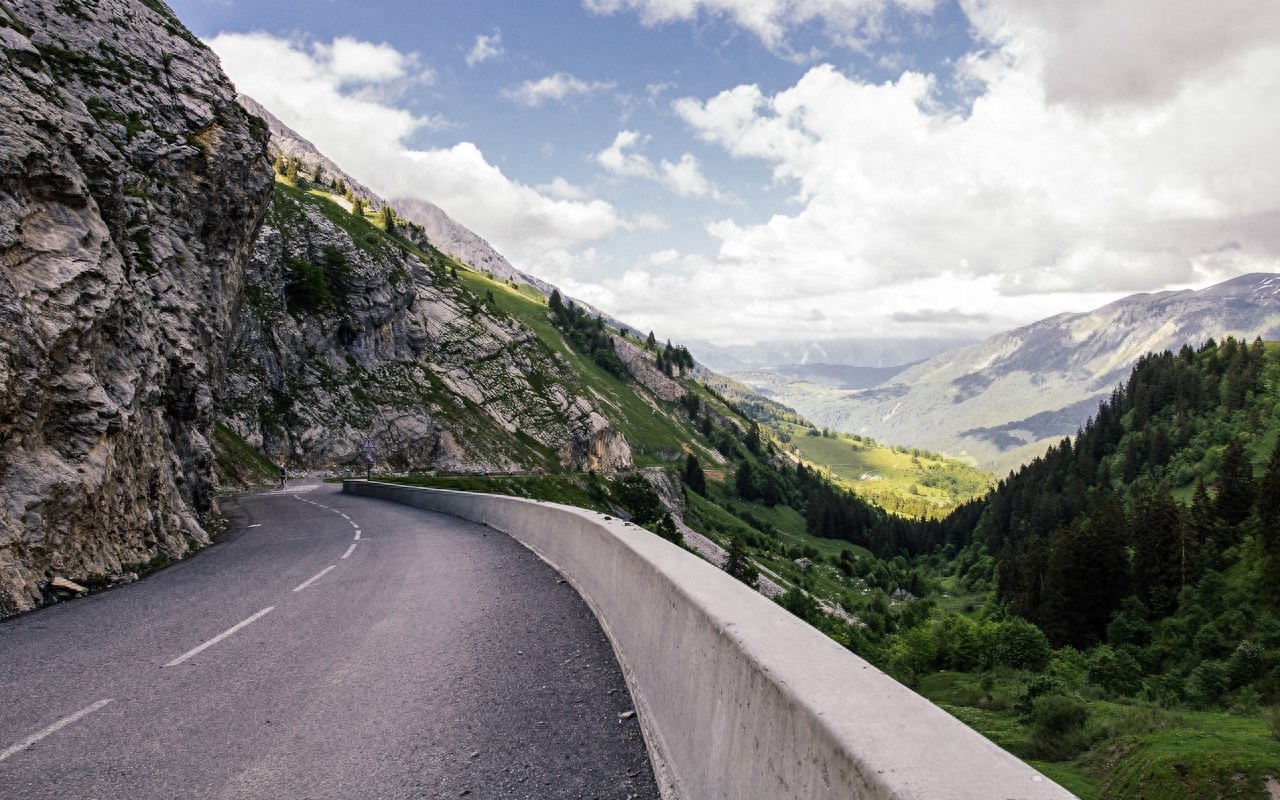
{"x":559,"y":87}
{"x":485,"y":48}
{"x":683,"y":177}
{"x":319,"y":91}
{"x":1044,"y":195}
{"x":1104,"y":51}
{"x":850,"y":23}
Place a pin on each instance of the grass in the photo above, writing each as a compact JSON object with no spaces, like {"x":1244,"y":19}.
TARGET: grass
{"x":911,"y":483}
{"x":573,"y":490}
{"x":1140,"y":750}
{"x":240,"y":463}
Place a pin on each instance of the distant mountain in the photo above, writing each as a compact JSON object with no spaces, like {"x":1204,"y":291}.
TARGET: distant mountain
{"x":830,"y":376}
{"x":463,"y":243}
{"x":1004,"y":400}
{"x":859,"y":352}
{"x":444,"y":233}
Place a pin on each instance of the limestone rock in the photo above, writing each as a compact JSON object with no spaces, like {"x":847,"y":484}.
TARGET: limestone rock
{"x":131,"y":185}
{"x":346,"y":336}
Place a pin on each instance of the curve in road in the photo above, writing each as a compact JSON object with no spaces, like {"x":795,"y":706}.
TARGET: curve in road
{"x":328,"y":646}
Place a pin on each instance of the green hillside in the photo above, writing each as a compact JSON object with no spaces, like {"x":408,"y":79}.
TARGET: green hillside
{"x":1108,"y":612}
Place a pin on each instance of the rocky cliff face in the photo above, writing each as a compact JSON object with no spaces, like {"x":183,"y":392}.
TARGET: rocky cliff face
{"x":131,"y":185}
{"x":347,"y":336}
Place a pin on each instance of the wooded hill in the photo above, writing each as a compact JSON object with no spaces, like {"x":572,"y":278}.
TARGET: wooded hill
{"x":1168,"y":498}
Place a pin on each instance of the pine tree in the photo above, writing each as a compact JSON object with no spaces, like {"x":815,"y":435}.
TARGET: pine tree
{"x":650,"y":343}
{"x":387,"y":218}
{"x":1268,"y":506}
{"x":315,"y":174}
{"x":279,"y":165}
{"x":1234,"y":500}
{"x":291,"y":172}
{"x":694,"y":477}
{"x":739,"y":564}
{"x":357,"y":207}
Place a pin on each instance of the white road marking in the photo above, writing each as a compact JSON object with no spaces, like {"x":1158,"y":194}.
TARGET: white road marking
{"x":357,"y":533}
{"x":256,"y":525}
{"x":220,"y":637}
{"x":350,"y":550}
{"x":54,"y":728}
{"x":314,"y":578}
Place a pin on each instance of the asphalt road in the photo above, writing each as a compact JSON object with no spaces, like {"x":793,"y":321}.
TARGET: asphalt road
{"x":327,"y":646}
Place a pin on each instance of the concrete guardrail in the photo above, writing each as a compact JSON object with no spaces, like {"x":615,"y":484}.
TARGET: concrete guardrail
{"x":738,"y":698}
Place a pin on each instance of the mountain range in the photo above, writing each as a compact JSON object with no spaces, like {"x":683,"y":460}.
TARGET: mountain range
{"x":1003,"y":401}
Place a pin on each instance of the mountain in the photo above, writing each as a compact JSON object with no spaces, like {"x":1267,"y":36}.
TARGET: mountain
{"x":131,"y":186}
{"x":462,"y":243}
{"x":852,"y":352}
{"x":1002,"y":401}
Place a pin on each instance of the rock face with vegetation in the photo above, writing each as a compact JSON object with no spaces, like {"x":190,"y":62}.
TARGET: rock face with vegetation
{"x":131,"y":185}
{"x":350,"y":334}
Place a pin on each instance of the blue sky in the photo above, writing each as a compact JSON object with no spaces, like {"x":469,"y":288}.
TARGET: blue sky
{"x":749,"y":170}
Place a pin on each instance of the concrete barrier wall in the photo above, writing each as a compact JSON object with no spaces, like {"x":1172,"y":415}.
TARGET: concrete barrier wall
{"x":739,"y":699}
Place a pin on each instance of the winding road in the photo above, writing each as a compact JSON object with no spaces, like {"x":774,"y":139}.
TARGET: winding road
{"x":327,"y":646}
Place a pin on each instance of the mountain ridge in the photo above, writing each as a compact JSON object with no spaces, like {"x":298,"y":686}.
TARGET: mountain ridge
{"x":1003,"y":400}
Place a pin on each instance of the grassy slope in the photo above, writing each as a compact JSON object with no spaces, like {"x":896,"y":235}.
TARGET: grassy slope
{"x":911,"y":483}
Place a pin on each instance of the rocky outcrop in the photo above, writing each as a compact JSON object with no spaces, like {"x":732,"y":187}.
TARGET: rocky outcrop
{"x":348,"y":337}
{"x":131,"y":185}
{"x":643,"y":368}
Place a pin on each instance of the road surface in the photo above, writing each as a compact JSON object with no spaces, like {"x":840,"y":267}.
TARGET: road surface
{"x":327,"y":646}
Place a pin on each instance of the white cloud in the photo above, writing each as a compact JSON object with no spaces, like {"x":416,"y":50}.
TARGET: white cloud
{"x":310,"y":92}
{"x":559,"y":87}
{"x":684,"y":177}
{"x":563,"y":189}
{"x":850,"y":23}
{"x":349,"y":60}
{"x":1103,"y":51}
{"x":485,"y":48}
{"x":1022,"y":206}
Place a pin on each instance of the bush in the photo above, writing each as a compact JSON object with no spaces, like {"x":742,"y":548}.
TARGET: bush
{"x":1058,"y":726}
{"x":1019,"y":644}
{"x":1114,"y":671}
{"x":1208,"y":683}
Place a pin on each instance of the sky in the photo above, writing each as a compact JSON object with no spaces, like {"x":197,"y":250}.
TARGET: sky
{"x":741,"y":171}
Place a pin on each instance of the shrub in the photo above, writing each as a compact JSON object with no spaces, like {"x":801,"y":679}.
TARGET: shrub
{"x":1058,"y":726}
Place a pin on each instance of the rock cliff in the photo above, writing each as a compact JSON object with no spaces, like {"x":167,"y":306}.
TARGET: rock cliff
{"x":131,"y":185}
{"x":349,"y":335}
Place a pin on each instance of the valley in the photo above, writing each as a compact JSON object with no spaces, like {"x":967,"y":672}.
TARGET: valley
{"x":1067,"y":534}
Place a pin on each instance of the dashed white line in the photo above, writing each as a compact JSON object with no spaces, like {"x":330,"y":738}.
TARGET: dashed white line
{"x":357,"y":533}
{"x":200,"y":648}
{"x":54,"y":728}
{"x":350,"y":550}
{"x":314,"y":578}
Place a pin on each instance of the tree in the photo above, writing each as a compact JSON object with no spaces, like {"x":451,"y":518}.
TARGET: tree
{"x":291,"y":172}
{"x":739,"y":565}
{"x":650,"y":343}
{"x":555,"y":303}
{"x":279,"y":164}
{"x":315,"y":174}
{"x":1269,"y":533}
{"x":357,"y":207}
{"x":1234,"y":500}
{"x":694,"y":477}
{"x":387,"y":218}
{"x":637,"y":496}
{"x":666,"y":528}
{"x":744,"y":481}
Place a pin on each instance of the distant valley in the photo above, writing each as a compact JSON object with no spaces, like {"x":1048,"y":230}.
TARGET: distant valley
{"x":1001,"y":402}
